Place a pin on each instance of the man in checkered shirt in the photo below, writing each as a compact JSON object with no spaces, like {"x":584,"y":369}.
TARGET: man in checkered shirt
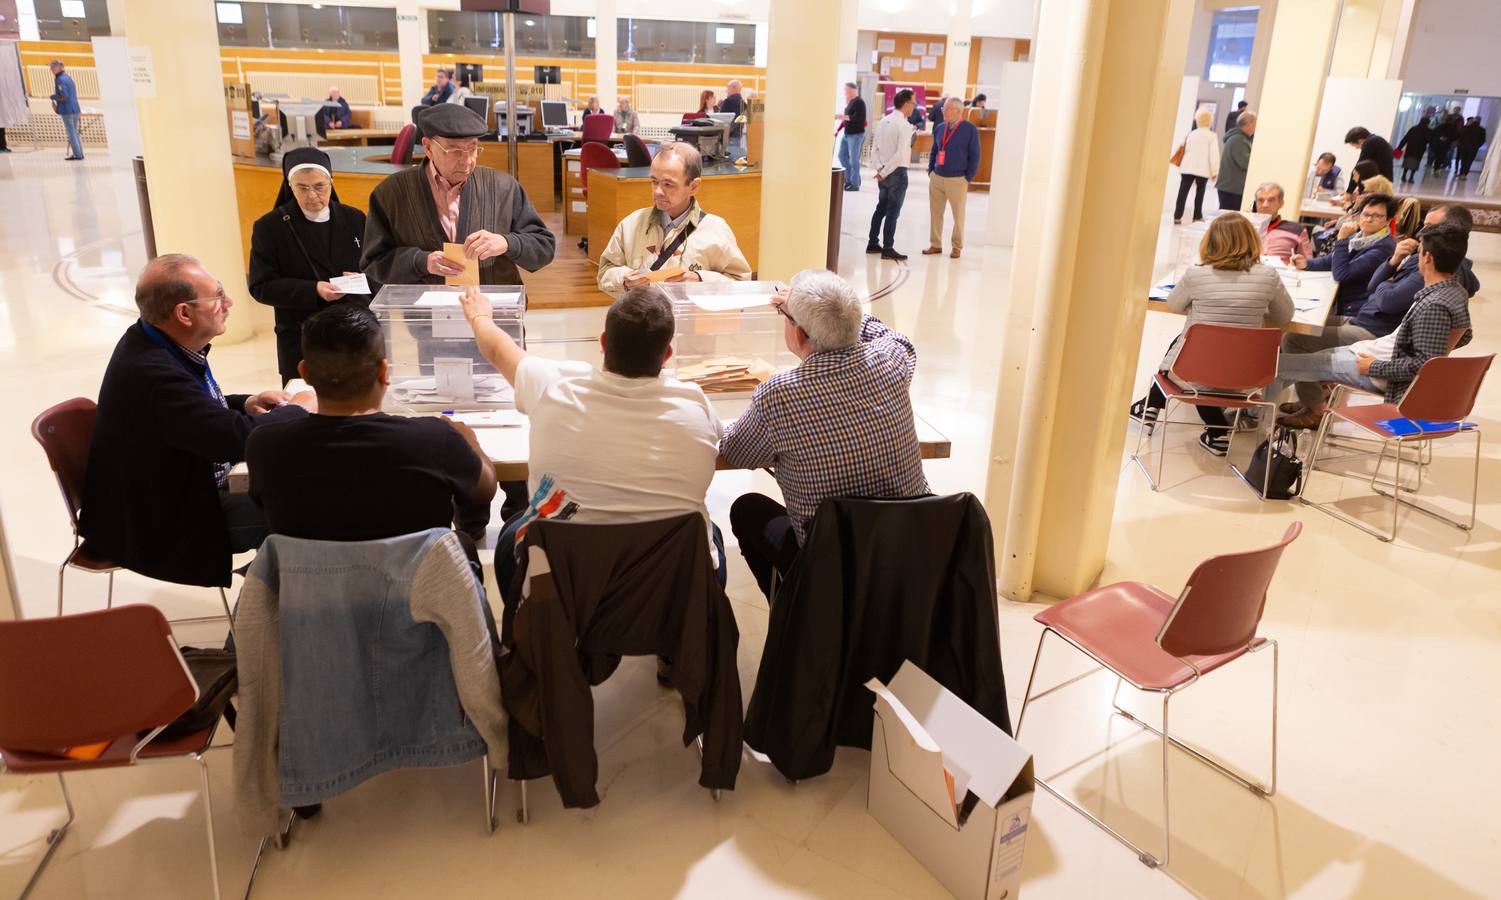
{"x":838,"y":425}
{"x":1389,"y":364}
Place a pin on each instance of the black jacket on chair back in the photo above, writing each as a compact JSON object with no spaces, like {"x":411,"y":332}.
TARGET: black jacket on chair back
{"x":878,"y":582}
{"x":150,"y":503}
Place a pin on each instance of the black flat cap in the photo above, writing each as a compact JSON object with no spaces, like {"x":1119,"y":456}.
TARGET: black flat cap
{"x":451,"y":120}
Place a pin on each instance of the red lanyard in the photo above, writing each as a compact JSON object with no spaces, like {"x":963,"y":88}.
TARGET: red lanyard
{"x":948,"y":136}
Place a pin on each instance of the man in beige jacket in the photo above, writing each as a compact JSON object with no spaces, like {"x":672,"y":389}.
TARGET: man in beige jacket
{"x":674,"y":232}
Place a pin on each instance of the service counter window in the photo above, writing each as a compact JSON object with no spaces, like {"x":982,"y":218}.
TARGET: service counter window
{"x":299,"y":26}
{"x":71,"y":20}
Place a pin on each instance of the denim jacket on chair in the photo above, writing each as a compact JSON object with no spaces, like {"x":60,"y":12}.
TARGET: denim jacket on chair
{"x":356,"y":658}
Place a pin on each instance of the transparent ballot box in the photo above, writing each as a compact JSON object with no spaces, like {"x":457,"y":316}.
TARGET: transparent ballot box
{"x":729,"y":337}
{"x":434,"y":359}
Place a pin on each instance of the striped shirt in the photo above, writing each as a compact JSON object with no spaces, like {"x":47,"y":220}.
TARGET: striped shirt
{"x":839,"y":425}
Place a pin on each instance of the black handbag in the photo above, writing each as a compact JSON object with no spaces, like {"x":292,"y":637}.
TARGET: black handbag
{"x":214,"y":672}
{"x":1281,"y":453}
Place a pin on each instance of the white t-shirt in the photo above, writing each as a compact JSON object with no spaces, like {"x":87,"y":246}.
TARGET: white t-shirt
{"x":624,"y":449}
{"x":1382,"y":348}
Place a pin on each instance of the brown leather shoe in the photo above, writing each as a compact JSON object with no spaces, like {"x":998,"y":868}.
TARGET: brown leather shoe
{"x":954,"y":254}
{"x":1308,"y":419}
{"x":932,"y":250}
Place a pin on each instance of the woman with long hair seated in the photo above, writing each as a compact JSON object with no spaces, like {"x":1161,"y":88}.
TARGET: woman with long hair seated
{"x":1229,"y":287}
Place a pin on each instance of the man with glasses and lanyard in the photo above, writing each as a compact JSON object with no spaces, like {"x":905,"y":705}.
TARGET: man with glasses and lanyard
{"x":156,"y":498}
{"x":450,"y":198}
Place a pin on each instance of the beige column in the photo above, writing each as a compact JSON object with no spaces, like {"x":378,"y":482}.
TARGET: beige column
{"x":1108,"y":76}
{"x":10,"y":598}
{"x":797,"y":157}
{"x":956,"y":53}
{"x":1396,"y":63}
{"x":606,"y":55}
{"x":1363,"y":46}
{"x":185,"y":141}
{"x":411,"y":43}
{"x":1291,"y":96}
{"x":1265,"y":16}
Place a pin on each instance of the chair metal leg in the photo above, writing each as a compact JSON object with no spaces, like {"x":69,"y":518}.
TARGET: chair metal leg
{"x":1396,"y":496}
{"x":62,"y":572}
{"x":1328,"y":508}
{"x":523,"y":815}
{"x":208,"y":817}
{"x":109,"y":596}
{"x":279,"y":840}
{"x":54,"y":837}
{"x":1167,"y":831}
{"x":1266,"y":475}
{"x":490,"y":793}
{"x":1027,"y":694}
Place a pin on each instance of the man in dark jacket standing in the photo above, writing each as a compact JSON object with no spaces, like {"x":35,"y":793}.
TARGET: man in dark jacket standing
{"x":1372,"y":147}
{"x":853,"y":139}
{"x":450,"y":198}
{"x":1471,"y":137}
{"x":1233,"y":116}
{"x":1235,"y":159}
{"x":156,"y":497}
{"x":952,"y":165}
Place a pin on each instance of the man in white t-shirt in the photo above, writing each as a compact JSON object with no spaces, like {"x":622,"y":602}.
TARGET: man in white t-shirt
{"x":621,"y":444}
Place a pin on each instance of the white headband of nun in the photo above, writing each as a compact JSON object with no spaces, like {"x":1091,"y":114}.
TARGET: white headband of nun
{"x":300,"y":166}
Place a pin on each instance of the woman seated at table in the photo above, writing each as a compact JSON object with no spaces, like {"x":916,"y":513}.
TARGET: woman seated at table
{"x":1361,"y":246}
{"x":1230,"y":287}
{"x":298,"y":247}
{"x":1366,"y":179}
{"x":705,"y":106}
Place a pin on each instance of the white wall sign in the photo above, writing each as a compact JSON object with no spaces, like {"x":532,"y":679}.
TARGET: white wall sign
{"x":142,"y":73}
{"x":919,"y":48}
{"x":930,"y":62}
{"x":935,"y":49}
{"x":241,"y":120}
{"x":886,"y":45}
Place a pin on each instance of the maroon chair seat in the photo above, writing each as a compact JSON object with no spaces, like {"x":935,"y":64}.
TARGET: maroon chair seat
{"x":1161,"y":644}
{"x":1444,"y":390}
{"x":112,"y":676}
{"x":597,"y":127}
{"x":1119,"y":624}
{"x":82,"y":558}
{"x":401,"y":150}
{"x":1233,"y":366}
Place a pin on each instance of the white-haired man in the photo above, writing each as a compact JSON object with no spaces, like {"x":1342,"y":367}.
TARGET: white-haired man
{"x":734,"y":103}
{"x":838,"y":425}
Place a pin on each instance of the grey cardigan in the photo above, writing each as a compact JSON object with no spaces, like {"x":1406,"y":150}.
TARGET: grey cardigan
{"x":1250,"y":299}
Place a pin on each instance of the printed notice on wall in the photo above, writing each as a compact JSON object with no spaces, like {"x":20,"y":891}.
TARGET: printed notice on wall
{"x":930,"y":62}
{"x":142,"y":73}
{"x":886,"y":45}
{"x":241,"y":127}
{"x":909,"y":65}
{"x":919,"y":48}
{"x":935,"y":49}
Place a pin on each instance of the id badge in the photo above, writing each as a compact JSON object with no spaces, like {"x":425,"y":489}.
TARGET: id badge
{"x":941,"y":155}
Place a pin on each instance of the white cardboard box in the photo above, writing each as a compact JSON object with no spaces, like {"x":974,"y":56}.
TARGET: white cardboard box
{"x":923,"y":737}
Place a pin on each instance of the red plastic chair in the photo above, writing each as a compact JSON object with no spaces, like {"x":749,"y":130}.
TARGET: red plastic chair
{"x":594,"y":156}
{"x":111,"y":677}
{"x":1158,"y":644}
{"x":598,"y":127}
{"x":1234,"y":365}
{"x":1444,"y":391}
{"x":690,"y":118}
{"x":401,"y":151}
{"x":66,"y":432}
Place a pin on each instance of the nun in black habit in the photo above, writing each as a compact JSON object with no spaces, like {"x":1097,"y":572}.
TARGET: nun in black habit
{"x":296,"y":248}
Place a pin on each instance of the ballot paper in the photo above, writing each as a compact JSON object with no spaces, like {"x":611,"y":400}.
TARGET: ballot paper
{"x":485,"y":388}
{"x":727,"y":375}
{"x":351,"y":284}
{"x":470,"y":275}
{"x":725,"y":302}
{"x":451,"y":298}
{"x":663,"y":273}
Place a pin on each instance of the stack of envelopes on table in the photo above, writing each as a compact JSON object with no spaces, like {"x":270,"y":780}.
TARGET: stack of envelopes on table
{"x":727,"y":374}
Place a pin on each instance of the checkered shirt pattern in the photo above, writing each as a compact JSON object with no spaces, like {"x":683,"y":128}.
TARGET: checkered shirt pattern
{"x":839,"y":425}
{"x":1424,"y":334}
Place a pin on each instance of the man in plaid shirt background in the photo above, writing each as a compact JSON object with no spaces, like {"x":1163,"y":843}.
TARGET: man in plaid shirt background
{"x":838,"y":425}
{"x":1389,"y":364}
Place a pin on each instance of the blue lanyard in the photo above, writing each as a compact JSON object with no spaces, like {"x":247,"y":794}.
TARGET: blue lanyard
{"x":210,"y":386}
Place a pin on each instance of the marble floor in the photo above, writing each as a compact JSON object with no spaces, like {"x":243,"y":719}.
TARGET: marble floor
{"x":1390,"y":654}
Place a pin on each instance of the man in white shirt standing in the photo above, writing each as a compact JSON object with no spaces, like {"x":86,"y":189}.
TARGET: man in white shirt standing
{"x":889,"y":154}
{"x":620,"y":444}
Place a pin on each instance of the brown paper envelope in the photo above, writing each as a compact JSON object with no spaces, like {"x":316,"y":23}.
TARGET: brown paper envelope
{"x":470,"y":276}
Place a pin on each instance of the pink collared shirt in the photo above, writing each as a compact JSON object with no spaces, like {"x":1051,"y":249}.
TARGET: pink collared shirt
{"x":446,"y":198}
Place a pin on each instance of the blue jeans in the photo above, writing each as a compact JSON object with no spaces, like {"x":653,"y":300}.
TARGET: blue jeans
{"x":890,"y":191}
{"x":1306,"y":370}
{"x":849,"y":157}
{"x":75,"y":143}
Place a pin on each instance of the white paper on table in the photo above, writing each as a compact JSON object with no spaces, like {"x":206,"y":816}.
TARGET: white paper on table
{"x":351,"y":284}
{"x":451,"y":298}
{"x":1274,"y":262}
{"x":724,"y":302}
{"x":498,"y":418}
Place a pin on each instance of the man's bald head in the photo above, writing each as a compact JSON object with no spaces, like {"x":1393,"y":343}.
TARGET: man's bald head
{"x":166,"y":281}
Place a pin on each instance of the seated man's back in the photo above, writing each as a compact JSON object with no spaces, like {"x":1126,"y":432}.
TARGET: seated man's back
{"x":353,"y":473}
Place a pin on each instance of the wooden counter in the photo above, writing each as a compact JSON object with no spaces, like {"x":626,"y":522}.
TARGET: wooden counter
{"x":731,"y":193}
{"x":534,"y":169}
{"x":985,"y":120}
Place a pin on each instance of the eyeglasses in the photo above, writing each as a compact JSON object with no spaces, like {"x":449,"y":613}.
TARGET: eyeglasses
{"x":318,"y":189}
{"x":782,"y":308}
{"x":468,"y":153}
{"x":218,"y":298}
{"x":1373,"y":214}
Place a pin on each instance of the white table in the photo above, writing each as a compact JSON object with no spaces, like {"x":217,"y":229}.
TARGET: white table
{"x":1321,"y":209}
{"x":1313,"y":296}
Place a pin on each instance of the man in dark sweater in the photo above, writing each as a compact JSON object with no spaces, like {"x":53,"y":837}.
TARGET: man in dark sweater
{"x":351,"y":472}
{"x":734,"y":103}
{"x":156,"y":497}
{"x":1372,"y":147}
{"x":952,"y":165}
{"x":1471,"y":137}
{"x":853,"y":139}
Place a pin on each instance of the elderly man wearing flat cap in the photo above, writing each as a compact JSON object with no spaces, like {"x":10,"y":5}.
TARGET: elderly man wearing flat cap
{"x":451,"y":199}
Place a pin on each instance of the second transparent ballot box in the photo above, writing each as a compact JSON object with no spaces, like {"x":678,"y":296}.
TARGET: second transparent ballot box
{"x":729,"y":337}
{"x":434,"y":359}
